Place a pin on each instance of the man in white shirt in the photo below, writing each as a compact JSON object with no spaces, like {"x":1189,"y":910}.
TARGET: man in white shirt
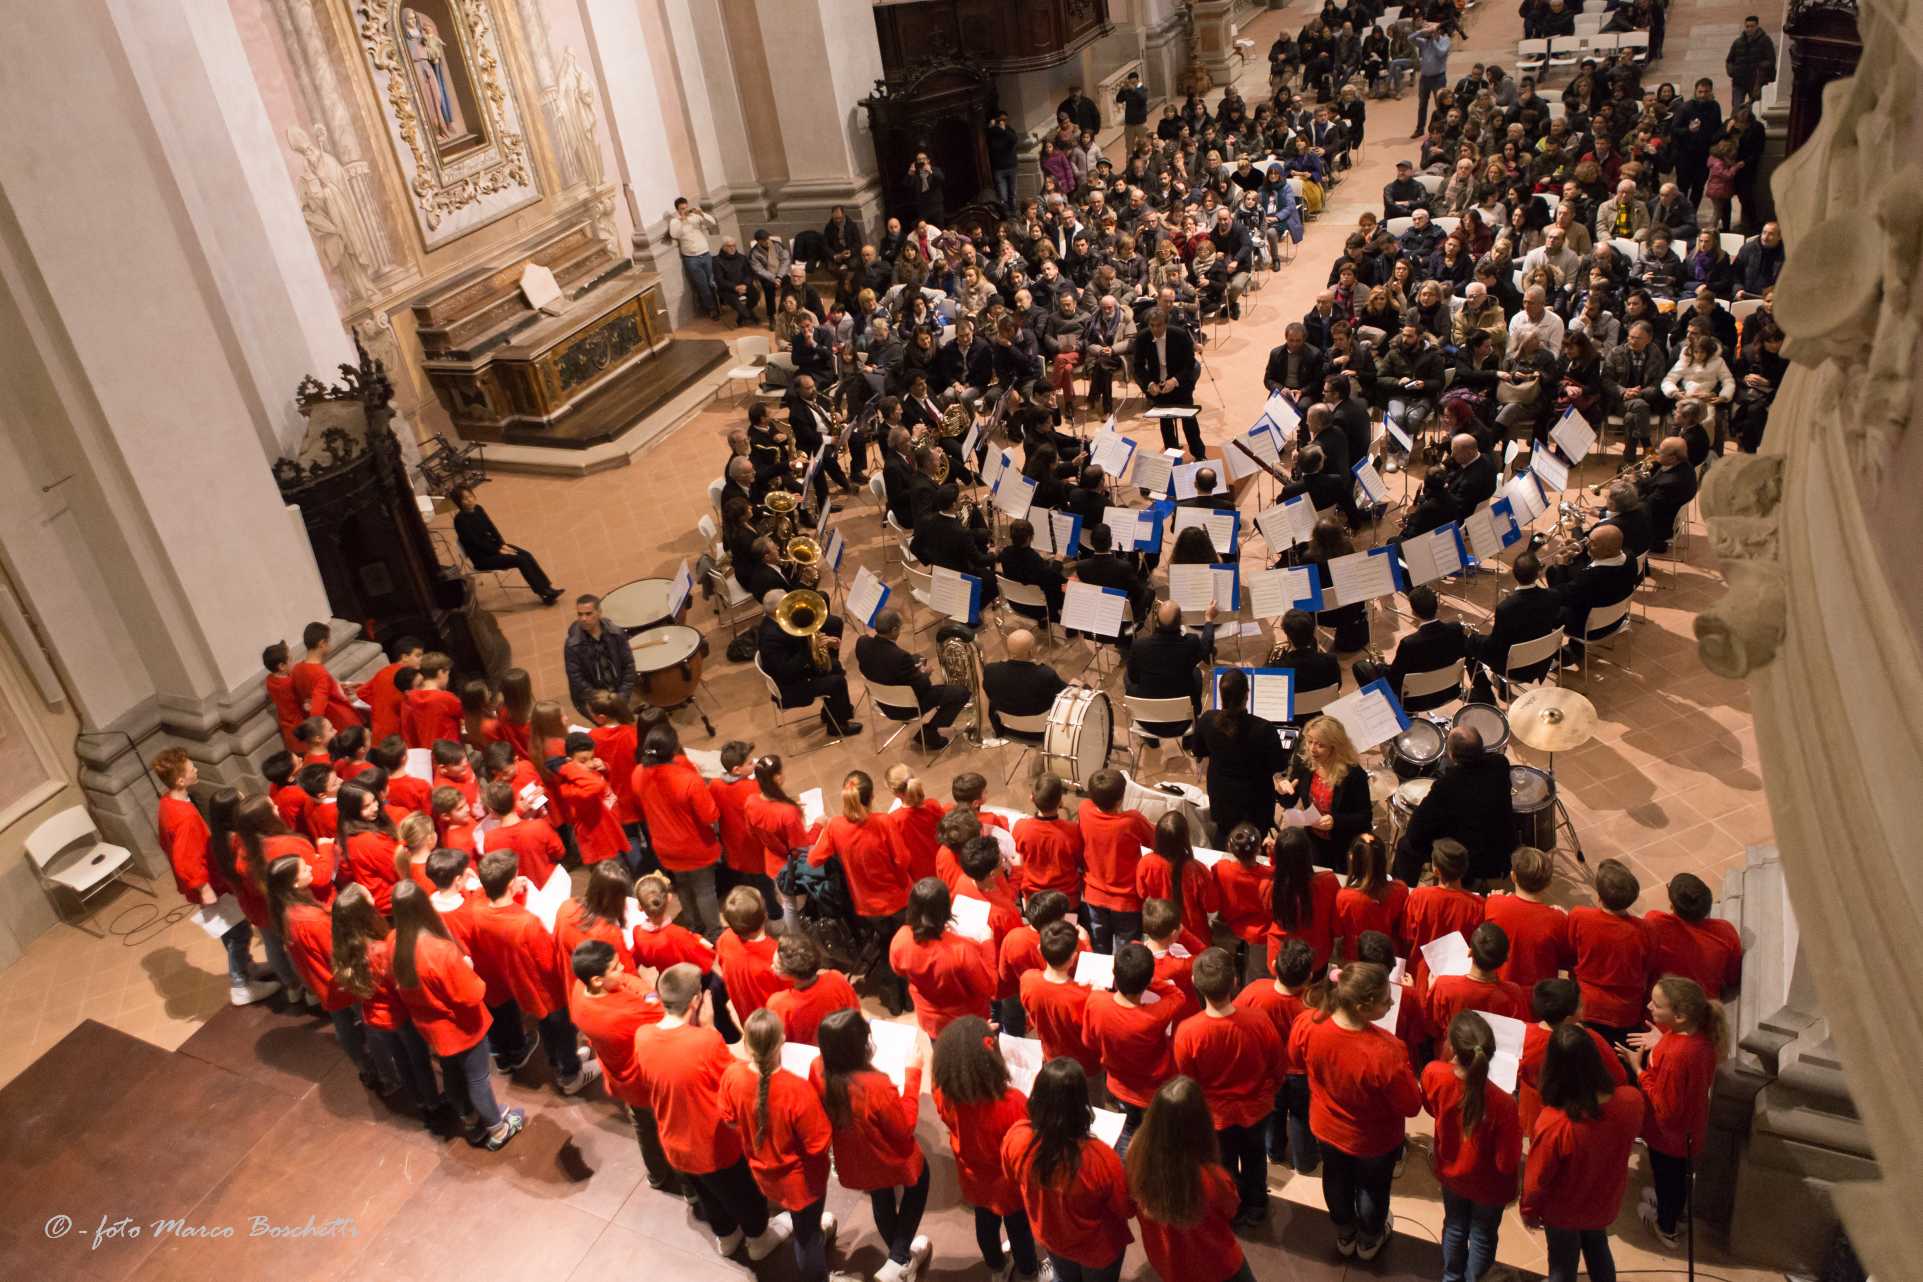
{"x":688,"y":229}
{"x":1536,"y":317}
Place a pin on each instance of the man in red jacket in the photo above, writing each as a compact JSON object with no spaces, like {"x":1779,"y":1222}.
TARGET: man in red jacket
{"x":184,"y":837}
{"x":319,"y":692}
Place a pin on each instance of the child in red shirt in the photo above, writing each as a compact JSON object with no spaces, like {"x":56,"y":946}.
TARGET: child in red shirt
{"x":281,"y":697}
{"x":741,"y":850}
{"x":1112,"y":842}
{"x":601,"y":912}
{"x":319,"y":692}
{"x":1021,"y":952}
{"x":1578,"y":1167}
{"x":1555,"y":1002}
{"x":509,"y":942}
{"x":1303,"y":900}
{"x":367,"y":842}
{"x":536,"y":848}
{"x":877,"y":883}
{"x":957,"y":828}
{"x":1054,"y":1006}
{"x":307,"y":933}
{"x":1538,"y":931}
{"x":1171,"y":872}
{"x":609,"y":1006}
{"x":1243,"y":888}
{"x":874,"y":1144}
{"x":660,"y":941}
{"x":454,"y":824}
{"x":617,"y":743}
{"x":775,"y":819}
{"x":1174,"y":1163}
{"x":403,"y":789}
{"x":364,"y":967}
{"x":915,"y":821}
{"x":290,"y":799}
{"x":948,"y":976}
{"x":500,"y":764}
{"x":431,"y":711}
{"x":1283,"y":1000}
{"x":319,"y":820}
{"x":1129,"y":1029}
{"x":1173,"y":948}
{"x":185,"y":839}
{"x":1079,"y":1207}
{"x":1442,"y":909}
{"x":979,"y":1106}
{"x":1612,"y":954}
{"x":1482,"y":989}
{"x":815,"y":993}
{"x":587,"y":803}
{"x":681,"y":816}
{"x":1370,"y":899}
{"x":1050,"y":846}
{"x":452,"y":770}
{"x":745,"y":952}
{"x":1235,"y":1055}
{"x":784,"y":1132}
{"x":1478,"y":1145}
{"x":1687,"y":941}
{"x":1675,"y":1065}
{"x":380,"y":696}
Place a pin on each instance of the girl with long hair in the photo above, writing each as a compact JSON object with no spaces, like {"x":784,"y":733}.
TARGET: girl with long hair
{"x":862,"y":841}
{"x":1071,"y":1183}
{"x":1370,"y":899}
{"x":874,"y":1145}
{"x":785,"y":1135}
{"x":1578,"y":1167}
{"x":914,"y":820}
{"x":977,"y":1103}
{"x":307,"y":932}
{"x":1170,"y":871}
{"x":259,"y":837}
{"x":448,"y":1004}
{"x":682,"y":820}
{"x":363,"y":953}
{"x":775,"y":819}
{"x":1361,"y":1094}
{"x":367,"y":841}
{"x":547,"y":739}
{"x":1302,"y":898}
{"x":1478,"y":1146}
{"x":948,"y":976}
{"x":1184,"y":1196}
{"x":600,"y":912}
{"x":1675,"y":1066}
{"x":513,"y":718}
{"x":479,"y":704}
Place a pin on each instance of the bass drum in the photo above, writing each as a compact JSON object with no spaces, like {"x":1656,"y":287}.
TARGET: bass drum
{"x":1532,"y":796}
{"x":1417,"y":751}
{"x":1077,"y":741}
{"x":667,"y":663}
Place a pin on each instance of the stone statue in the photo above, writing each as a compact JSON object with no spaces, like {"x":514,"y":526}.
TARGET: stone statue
{"x":332,"y":215}
{"x":427,"y":53}
{"x":577,"y":107}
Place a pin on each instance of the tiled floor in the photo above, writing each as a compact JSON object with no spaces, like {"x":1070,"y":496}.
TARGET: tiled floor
{"x":1671,"y":782}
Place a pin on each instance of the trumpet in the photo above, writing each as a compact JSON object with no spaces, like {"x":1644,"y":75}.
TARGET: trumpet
{"x":1562,"y":544}
{"x":803,"y":613}
{"x":804,"y":554}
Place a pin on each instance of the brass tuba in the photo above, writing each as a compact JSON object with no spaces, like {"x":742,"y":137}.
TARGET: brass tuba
{"x":805,"y":555}
{"x":803,"y":613}
{"x":780,"y":505}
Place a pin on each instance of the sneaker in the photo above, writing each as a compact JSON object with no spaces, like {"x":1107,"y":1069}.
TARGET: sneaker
{"x":515,"y":1066}
{"x":828,"y":1226}
{"x":1345,"y":1246}
{"x":307,"y":996}
{"x":1250,"y":1217}
{"x":891,"y":1272}
{"x":920,"y":1252}
{"x":252,"y":991}
{"x":258,"y":971}
{"x":780,"y":1229}
{"x":1646,"y":1212}
{"x":590,"y":1074}
{"x":727,"y":1246}
{"x":1372,"y":1248}
{"x":513,"y":1122}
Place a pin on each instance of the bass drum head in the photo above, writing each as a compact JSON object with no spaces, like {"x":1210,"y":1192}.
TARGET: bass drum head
{"x":1487,"y":720}
{"x":1076,"y":743}
{"x":1418,"y":749}
{"x":1093,"y":747}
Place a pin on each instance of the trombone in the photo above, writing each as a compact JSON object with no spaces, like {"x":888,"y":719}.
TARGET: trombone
{"x":803,"y":613}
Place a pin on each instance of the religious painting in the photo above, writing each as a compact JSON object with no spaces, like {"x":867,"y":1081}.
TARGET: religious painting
{"x":451,"y":111}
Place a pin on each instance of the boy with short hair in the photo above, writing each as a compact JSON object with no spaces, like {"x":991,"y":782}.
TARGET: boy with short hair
{"x":1049,"y":845}
{"x":430,"y":710}
{"x":587,"y":802}
{"x":746,"y":952}
{"x":609,"y":1006}
{"x":1482,"y":989}
{"x":453,"y":770}
{"x":320,"y":818}
{"x":1444,"y":908}
{"x":1173,"y":948}
{"x":1687,"y":941}
{"x":1054,"y":1005}
{"x":1235,"y":1055}
{"x":1128,"y":1029}
{"x":1537,"y":930}
{"x":378,"y":692}
{"x":744,"y":859}
{"x":956,"y":829}
{"x":1553,"y":1003}
{"x":185,"y":838}
{"x":512,"y":950}
{"x":1021,"y":952}
{"x":1281,"y":999}
{"x":279,"y":685}
{"x":501,"y":764}
{"x":970,"y":790}
{"x":319,"y":692}
{"x":453,"y":821}
{"x":815,"y":993}
{"x":403,"y":790}
{"x":534,"y":844}
{"x":1611,"y":948}
{"x":1112,"y":843}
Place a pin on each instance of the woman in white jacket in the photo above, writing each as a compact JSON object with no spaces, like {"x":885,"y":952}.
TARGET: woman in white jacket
{"x":1700,"y":373}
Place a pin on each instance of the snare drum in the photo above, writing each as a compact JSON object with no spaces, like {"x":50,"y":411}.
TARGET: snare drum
{"x":667,"y":662}
{"x":1076,"y":743}
{"x":1532,"y":795}
{"x":1402,"y":806}
{"x":1487,"y":720}
{"x":640,"y":605}
{"x":1415,"y":753}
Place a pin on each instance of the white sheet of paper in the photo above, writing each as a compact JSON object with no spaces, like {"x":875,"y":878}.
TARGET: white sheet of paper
{"x":1282,"y":412}
{"x":1367,"y":716}
{"x":834,"y":550}
{"x":1370,"y":482}
{"x":865,"y":595}
{"x":971,"y":918}
{"x":1302,"y":817}
{"x":1550,"y":470}
{"x":993,"y":465}
{"x":220,"y":916}
{"x":1184,"y":478}
{"x":1509,"y":453}
{"x":1447,"y":955}
{"x":1276,"y":529}
{"x":894,"y":1044}
{"x":1043,"y":519}
{"x":1087,"y":608}
{"x":1062,"y":533}
{"x":799,"y":1058}
{"x":420,"y":762}
{"x":630,"y":921}
{"x":1264,"y":440}
{"x":1125,"y":523}
{"x":1220,"y":525}
{"x":811,"y":808}
{"x":1574,"y":435}
{"x":1096,"y":970}
{"x":970,"y":441}
{"x":1192,"y":587}
{"x":680,"y":590}
{"x":1015,"y":494}
{"x":1269,"y":696}
{"x":1507,"y":1061}
{"x":1525,"y":499}
{"x":1112,"y":455}
{"x":1273,"y":593}
{"x":1388,"y":1021}
{"x":1237,"y":464}
{"x":1107,"y":1126}
{"x":1153,"y":472}
{"x":546,"y":900}
{"x":1399,"y":435}
{"x":1174,"y":411}
{"x":706,"y":762}
{"x":1023,"y":1055}
{"x":1479,"y":531}
{"x":951,"y":592}
{"x":1431,"y":556}
{"x":1360,"y":577}
{"x":1209,"y":858}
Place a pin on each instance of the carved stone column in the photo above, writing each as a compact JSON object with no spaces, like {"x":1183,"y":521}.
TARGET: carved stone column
{"x":1214,"y":38}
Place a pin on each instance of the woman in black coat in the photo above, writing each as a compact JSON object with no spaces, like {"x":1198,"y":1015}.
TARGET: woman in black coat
{"x":1245,"y":757}
{"x":1328,"y":776}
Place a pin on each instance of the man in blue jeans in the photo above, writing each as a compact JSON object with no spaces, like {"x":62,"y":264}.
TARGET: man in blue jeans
{"x":1432,"y":58}
{"x":689,"y":229}
{"x":1003,"y":144}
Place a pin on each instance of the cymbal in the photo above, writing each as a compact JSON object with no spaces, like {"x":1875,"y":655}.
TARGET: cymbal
{"x":1552,"y":719}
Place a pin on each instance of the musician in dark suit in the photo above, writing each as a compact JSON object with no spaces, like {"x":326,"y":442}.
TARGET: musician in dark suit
{"x":881,"y":661}
{"x":1324,"y":433}
{"x":964,"y":366}
{"x":1533,"y":610}
{"x":1351,"y":413}
{"x":1088,"y":498}
{"x":1326,"y":489}
{"x":809,"y":423}
{"x":1296,"y":367}
{"x":487,"y":550}
{"x":1105,"y":568}
{"x":790,"y":664}
{"x":1668,"y":491}
{"x":898,"y":472}
{"x":1165,"y":662}
{"x":1469,"y":803}
{"x":1021,"y":563}
{"x":1020,"y":686}
{"x":1435,"y":644}
{"x":1606,"y":580}
{"x":1165,"y":366}
{"x":942,"y":539}
{"x":1628,"y":513}
{"x":768,"y":450}
{"x":761,"y":571}
{"x":1206,"y":495}
{"x":1459,"y":488}
{"x":1298,"y":651}
{"x":738,"y":482}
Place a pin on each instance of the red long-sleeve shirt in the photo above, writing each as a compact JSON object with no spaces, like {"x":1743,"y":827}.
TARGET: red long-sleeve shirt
{"x":778,"y":826}
{"x":681,"y":814}
{"x":1279,"y":1007}
{"x":1133,"y":1041}
{"x":286,"y":705}
{"x":370,"y":862}
{"x":1206,"y":1251}
{"x":1058,"y":1017}
{"x":975,"y":1132}
{"x":321,"y":695}
{"x":1021,"y":952}
{"x":416,"y":796}
{"x":915,"y":840}
{"x":802,"y":1009}
{"x":1431,"y":913}
{"x":1480,"y":1165}
{"x":948,"y":977}
{"x":1361,"y":1089}
{"x":383,"y":702}
{"x":1325,"y":919}
{"x":571,"y":927}
{"x":680,"y":1069}
{"x":789,"y":1157}
{"x":875,"y":1148}
{"x":609,"y":1022}
{"x":1538,"y":938}
{"x":747,"y":969}
{"x":1051,"y":851}
{"x":430,"y":715}
{"x":1112,"y":846}
{"x":1355,"y":913}
{"x":877,"y":882}
{"x":1154,"y":879}
{"x":1612,"y":965}
{"x":449,"y":1004}
{"x":536,"y":847}
{"x":309,"y":941}
{"x":512,"y":948}
{"x":184,"y":836}
{"x":588,"y":803}
{"x":1242,"y":898}
{"x":1676,"y":1082}
{"x":1450,"y":995}
{"x":615,"y":744}
{"x":668,"y":944}
{"x":1535,"y":1044}
{"x":1237,"y":1060}
{"x":740,"y":847}
{"x":1708,"y":951}
{"x":383,"y":1009}
{"x":1577,"y":1170}
{"x":1083,"y":1217}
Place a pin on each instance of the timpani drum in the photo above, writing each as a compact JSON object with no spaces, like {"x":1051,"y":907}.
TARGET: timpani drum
{"x":1487,"y":720}
{"x":640,"y":605}
{"x":1532,"y":796}
{"x":1076,"y":742}
{"x":1417,"y":751}
{"x":1402,"y":806}
{"x":667,"y":664}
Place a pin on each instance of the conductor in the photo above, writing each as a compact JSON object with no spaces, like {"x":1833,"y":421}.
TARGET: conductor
{"x":1165,"y":366}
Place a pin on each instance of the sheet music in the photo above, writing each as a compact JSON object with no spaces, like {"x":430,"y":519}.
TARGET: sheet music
{"x":1301,"y":817}
{"x":1174,"y":411}
{"x":1129,"y":525}
{"x":1273,"y":593}
{"x":1092,"y":609}
{"x":970,"y":918}
{"x":811,"y":807}
{"x":1388,"y":1021}
{"x":970,"y":441}
{"x":1223,"y":528}
{"x":866,"y":595}
{"x":1370,"y":481}
{"x":799,"y":1058}
{"x":1507,"y":1060}
{"x":1573,"y":435}
{"x":224,"y":914}
{"x":1371,"y":715}
{"x":821,"y":522}
{"x":1265,"y":439}
{"x":1184,"y":478}
{"x":545,"y":901}
{"x":1361,"y":576}
{"x":1479,"y":531}
{"x":1398,"y":434}
{"x":1272,"y":693}
{"x":1282,"y":412}
{"x":1227,"y":586}
{"x":1107,"y":1126}
{"x":1526,"y":501}
{"x":1502,"y":515}
{"x":681,"y":590}
{"x":1065,"y":532}
{"x":1433,"y":555}
{"x":894,"y":1045}
{"x":1447,"y":955}
{"x":1023,"y":1055}
{"x":1014,"y":493}
{"x":1550,"y":469}
{"x":994,"y":465}
{"x":1509,"y":453}
{"x":954,"y":594}
{"x":420,"y":763}
{"x":1112,"y":455}
{"x":1191,"y":586}
{"x":1096,"y":970}
{"x":1206,"y":857}
{"x":1237,"y":464}
{"x":706,"y":762}
{"x":1153,"y":472}
{"x":834,"y":550}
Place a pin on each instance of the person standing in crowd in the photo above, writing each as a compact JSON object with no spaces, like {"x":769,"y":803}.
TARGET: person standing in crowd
{"x":1750,"y":62}
{"x":784,"y":1132}
{"x":1072,"y":1184}
{"x":1184,"y":1197}
{"x":1578,"y":1167}
{"x":1478,"y":1146}
{"x":596,"y":655}
{"x":688,"y":228}
{"x":874,"y":1139}
{"x":976,"y":1102}
{"x":1132,"y":97}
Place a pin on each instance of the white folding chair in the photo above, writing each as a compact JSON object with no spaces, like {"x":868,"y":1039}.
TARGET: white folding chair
{"x":68,"y":855}
{"x":1448,"y":223}
{"x":1174,"y":711}
{"x":1310,"y":702}
{"x":894,"y":703}
{"x":731,"y":601}
{"x":783,"y":721}
{"x":1637,"y":42}
{"x":1396,"y":226}
{"x":1431,"y":183}
{"x":1588,"y":24}
{"x":714,"y":494}
{"x":1732,"y":242}
{"x":1530,"y":56}
{"x":1428,"y":685}
{"x":1629,"y":249}
{"x":1550,"y":199}
{"x":771,"y":392}
{"x":1029,"y":604}
{"x":751,"y":352}
{"x":1604,"y":624}
{"x":1564,"y":51}
{"x":710,"y":536}
{"x":1743,"y":308}
{"x":1526,"y":654}
{"x":1026,"y":731}
{"x":1602,"y":42}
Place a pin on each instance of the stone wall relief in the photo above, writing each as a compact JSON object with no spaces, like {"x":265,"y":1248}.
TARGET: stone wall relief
{"x":578,"y":145}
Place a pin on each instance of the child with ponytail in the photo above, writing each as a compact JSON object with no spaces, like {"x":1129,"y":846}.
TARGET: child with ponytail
{"x":1478,"y":1146}
{"x":877,"y":883}
{"x":784,"y":1132}
{"x":1675,"y":1062}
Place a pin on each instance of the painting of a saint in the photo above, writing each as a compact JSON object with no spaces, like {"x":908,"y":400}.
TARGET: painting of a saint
{"x":436,"y":75}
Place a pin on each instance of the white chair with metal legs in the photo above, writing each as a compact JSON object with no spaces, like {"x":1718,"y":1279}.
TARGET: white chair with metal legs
{"x":1176,"y":710}
{"x":731,"y":601}
{"x":1437,"y":681}
{"x":812,"y":707}
{"x":897,"y":704}
{"x":1605,"y":624}
{"x":68,"y":856}
{"x":1527,"y":654}
{"x":1033,"y":606}
{"x":1310,"y":702}
{"x":1026,"y":732}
